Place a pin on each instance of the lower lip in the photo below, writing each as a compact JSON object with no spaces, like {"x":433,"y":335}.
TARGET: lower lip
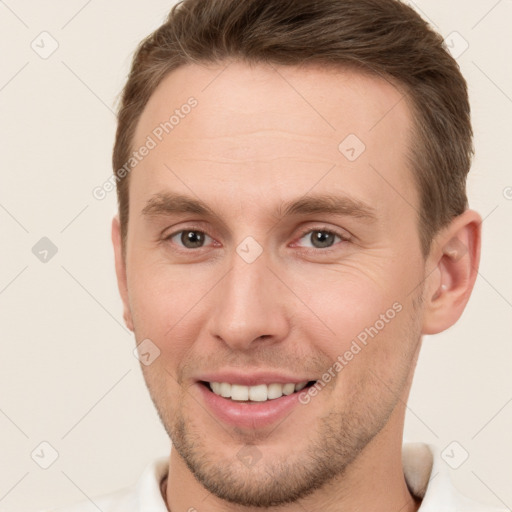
{"x":252,"y":415}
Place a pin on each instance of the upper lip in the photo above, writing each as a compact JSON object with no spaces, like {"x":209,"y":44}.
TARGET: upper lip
{"x":251,"y":379}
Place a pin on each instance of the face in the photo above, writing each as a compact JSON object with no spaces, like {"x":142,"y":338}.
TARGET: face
{"x":274,"y":228}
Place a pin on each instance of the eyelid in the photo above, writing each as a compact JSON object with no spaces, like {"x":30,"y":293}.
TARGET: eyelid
{"x":344,"y":235}
{"x":170,"y":232}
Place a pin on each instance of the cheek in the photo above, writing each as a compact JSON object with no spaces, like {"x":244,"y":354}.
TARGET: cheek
{"x":164,"y":301}
{"x":159,"y":293}
{"x":354,"y":314}
{"x":344,"y":302}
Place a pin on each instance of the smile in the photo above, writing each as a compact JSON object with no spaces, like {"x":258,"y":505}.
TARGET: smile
{"x":259,"y":393}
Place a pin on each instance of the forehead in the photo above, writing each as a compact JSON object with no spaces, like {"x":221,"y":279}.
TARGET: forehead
{"x":294,"y":128}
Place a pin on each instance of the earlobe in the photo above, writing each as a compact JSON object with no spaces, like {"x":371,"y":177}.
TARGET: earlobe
{"x":120,"y":265}
{"x":454,"y":258}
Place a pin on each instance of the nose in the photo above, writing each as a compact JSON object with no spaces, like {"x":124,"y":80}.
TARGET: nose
{"x":250,"y":306}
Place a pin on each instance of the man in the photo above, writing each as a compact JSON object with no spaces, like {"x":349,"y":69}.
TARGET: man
{"x":292,"y":219}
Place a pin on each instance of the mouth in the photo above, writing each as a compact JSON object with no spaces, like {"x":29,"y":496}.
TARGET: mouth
{"x":255,"y":394}
{"x":252,"y":407}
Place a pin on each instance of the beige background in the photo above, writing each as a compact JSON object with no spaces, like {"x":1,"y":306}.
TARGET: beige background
{"x":67,"y":372}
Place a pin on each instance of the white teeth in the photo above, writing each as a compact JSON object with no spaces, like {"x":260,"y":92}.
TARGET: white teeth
{"x":288,"y":389}
{"x":259,"y":393}
{"x":239,"y":392}
{"x":300,"y":386}
{"x":225,"y":390}
{"x":274,"y":391}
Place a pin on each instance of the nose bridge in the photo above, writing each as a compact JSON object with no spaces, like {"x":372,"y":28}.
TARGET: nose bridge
{"x":247,"y":303}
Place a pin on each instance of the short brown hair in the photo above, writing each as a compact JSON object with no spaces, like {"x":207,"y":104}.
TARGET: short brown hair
{"x":383,"y":37}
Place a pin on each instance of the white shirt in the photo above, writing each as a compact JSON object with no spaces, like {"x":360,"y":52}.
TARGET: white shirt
{"x":426,"y":474}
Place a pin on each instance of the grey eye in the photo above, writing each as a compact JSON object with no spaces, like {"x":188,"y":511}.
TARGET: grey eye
{"x":320,"y":239}
{"x":190,"y":238}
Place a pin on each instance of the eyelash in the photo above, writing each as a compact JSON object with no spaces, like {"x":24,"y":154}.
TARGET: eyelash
{"x":324,"y":229}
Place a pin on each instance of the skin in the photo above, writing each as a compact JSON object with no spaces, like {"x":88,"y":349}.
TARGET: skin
{"x":260,"y":136}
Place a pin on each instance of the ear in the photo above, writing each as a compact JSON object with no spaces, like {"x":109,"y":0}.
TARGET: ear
{"x":454,"y":258}
{"x":121,"y":271}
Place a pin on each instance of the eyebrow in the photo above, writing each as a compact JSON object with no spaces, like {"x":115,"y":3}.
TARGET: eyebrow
{"x":169,"y":203}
